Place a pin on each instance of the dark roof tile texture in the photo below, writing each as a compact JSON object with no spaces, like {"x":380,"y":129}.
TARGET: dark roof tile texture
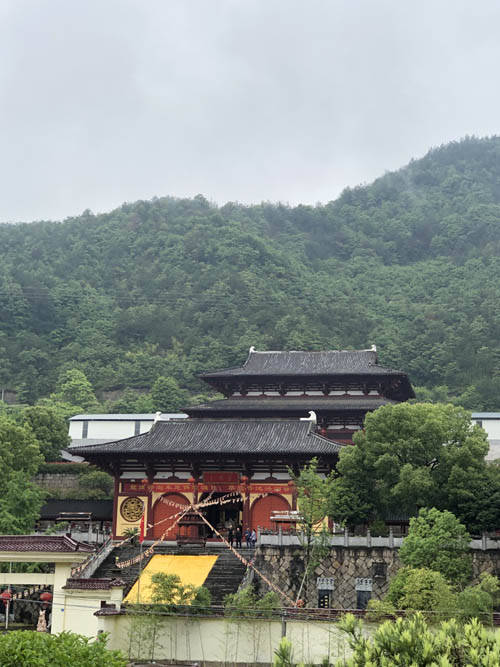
{"x":42,"y":543}
{"x":234,"y":437}
{"x":299,"y":404}
{"x":103,"y":584}
{"x":328,"y":362}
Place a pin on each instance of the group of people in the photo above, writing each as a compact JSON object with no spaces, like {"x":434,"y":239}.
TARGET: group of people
{"x":235,"y":536}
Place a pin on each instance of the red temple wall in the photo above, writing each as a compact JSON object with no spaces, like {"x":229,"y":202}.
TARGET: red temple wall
{"x":257,"y":505}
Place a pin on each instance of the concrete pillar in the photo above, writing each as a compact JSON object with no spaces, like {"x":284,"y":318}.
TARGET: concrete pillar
{"x":61,"y":573}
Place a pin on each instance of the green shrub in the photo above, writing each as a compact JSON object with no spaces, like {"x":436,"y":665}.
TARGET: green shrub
{"x":379,"y":528}
{"x":283,"y":655}
{"x":409,"y":641}
{"x":478,"y":601}
{"x":247,"y":603}
{"x":39,"y":649}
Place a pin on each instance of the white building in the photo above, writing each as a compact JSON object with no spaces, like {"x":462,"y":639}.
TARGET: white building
{"x":490,"y":421}
{"x":98,"y":429}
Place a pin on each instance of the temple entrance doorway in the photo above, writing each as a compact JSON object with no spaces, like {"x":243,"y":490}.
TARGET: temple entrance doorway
{"x":165,"y":514}
{"x":222,"y":517}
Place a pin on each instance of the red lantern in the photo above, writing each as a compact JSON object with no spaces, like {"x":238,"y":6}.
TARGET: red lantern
{"x":6,"y":596}
{"x":191,"y":480}
{"x":244,"y":478}
{"x":46,"y":597}
{"x":291,"y":483}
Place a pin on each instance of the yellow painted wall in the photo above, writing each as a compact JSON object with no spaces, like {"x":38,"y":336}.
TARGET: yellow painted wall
{"x":121,"y":524}
{"x":191,"y":570}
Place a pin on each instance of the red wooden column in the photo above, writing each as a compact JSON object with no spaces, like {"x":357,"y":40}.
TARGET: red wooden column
{"x":148,"y":533}
{"x":116,"y":474}
{"x":246,"y":501}
{"x":293,"y":489}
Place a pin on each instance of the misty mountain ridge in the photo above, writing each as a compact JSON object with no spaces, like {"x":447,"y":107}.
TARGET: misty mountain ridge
{"x":175,"y":286}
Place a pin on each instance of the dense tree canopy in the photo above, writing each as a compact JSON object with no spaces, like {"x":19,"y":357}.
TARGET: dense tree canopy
{"x":437,"y":540}
{"x":20,"y":457}
{"x":50,"y":430}
{"x":171,"y":287}
{"x":416,"y":455}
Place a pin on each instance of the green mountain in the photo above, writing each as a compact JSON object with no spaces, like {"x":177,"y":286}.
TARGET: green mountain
{"x":174,"y":286}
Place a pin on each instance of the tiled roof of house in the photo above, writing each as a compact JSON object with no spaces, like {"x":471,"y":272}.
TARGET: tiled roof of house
{"x":327,"y":362}
{"x":103,"y":584}
{"x":42,"y":543}
{"x":301,"y":405}
{"x":235,"y":437}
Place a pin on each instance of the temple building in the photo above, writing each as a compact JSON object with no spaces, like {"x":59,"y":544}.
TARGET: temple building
{"x":280,"y":410}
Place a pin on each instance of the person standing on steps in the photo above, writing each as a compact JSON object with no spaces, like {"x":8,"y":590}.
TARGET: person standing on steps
{"x":230,"y":535}
{"x":253,"y":539}
{"x":248,"y":534}
{"x":238,"y":536}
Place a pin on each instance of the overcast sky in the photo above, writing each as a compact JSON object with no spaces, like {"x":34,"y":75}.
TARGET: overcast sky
{"x":105,"y":101}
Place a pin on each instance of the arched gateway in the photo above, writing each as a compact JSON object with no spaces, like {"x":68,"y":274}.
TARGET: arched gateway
{"x":262,"y":508}
{"x":161,"y":513}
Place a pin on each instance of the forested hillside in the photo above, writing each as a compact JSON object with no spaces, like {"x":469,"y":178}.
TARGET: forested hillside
{"x":169,"y":287}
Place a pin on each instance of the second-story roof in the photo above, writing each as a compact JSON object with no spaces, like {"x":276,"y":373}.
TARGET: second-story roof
{"x":293,"y":362}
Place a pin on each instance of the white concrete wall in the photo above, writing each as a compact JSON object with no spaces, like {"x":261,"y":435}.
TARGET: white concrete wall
{"x":104,"y":429}
{"x":75,"y":430}
{"x":219,"y":640}
{"x":114,"y":430}
{"x":77,"y":614}
{"x":491,"y":426}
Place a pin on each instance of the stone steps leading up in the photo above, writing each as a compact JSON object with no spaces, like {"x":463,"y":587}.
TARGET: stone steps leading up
{"x":224,"y":577}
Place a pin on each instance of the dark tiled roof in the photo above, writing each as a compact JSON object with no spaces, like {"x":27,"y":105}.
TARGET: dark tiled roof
{"x":101,"y":510}
{"x":102,"y":584}
{"x":297,"y":404}
{"x":235,"y":437}
{"x":110,"y":610}
{"x":328,"y":362}
{"x":43,"y":543}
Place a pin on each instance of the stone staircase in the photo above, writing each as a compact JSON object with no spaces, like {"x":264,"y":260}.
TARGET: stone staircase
{"x":224,"y":577}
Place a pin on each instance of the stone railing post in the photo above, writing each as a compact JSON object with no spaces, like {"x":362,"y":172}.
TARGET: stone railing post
{"x":280,"y":536}
{"x":368,"y":538}
{"x":391,"y":538}
{"x":484,"y":542}
{"x":346,"y":536}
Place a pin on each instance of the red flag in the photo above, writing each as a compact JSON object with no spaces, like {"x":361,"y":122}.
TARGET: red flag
{"x":141,"y":530}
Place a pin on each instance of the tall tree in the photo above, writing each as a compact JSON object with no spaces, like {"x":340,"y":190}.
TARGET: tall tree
{"x":50,"y":429}
{"x":409,"y":456}
{"x":74,"y":388}
{"x":167,"y":396}
{"x":313,"y":491}
{"x":20,"y":457}
{"x":438,"y":541}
